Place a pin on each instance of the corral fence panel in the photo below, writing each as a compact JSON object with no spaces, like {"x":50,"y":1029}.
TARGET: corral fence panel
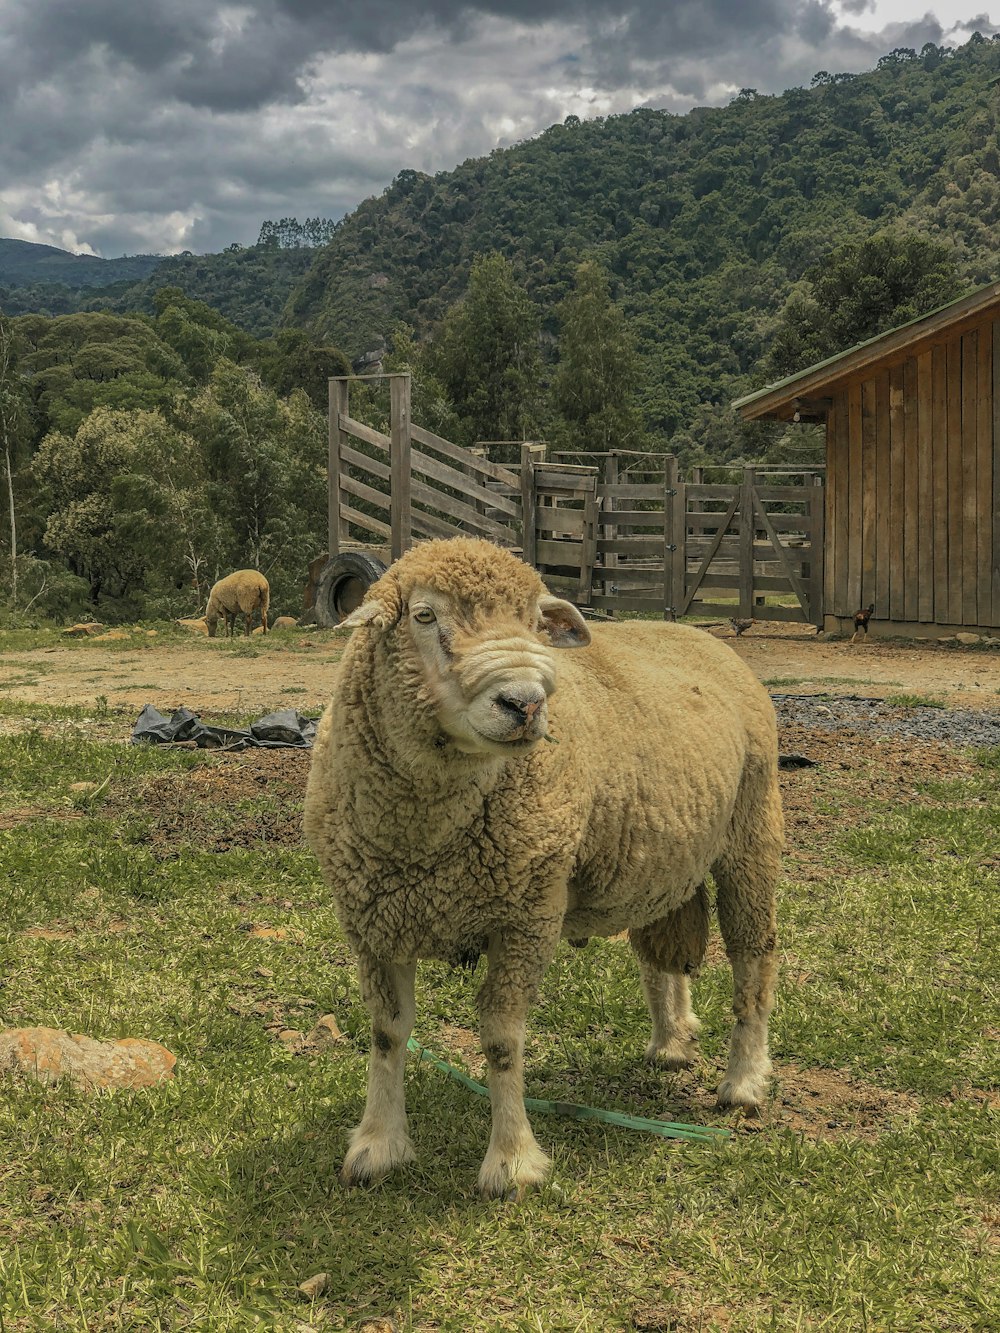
{"x":618,"y":531}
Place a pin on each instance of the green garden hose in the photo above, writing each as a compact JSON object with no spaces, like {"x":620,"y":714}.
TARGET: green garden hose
{"x":667,"y":1129}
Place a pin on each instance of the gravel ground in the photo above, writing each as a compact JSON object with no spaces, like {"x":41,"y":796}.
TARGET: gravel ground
{"x":851,"y":712}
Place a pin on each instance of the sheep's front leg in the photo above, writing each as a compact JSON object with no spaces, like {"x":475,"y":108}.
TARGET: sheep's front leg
{"x":382,"y":1140}
{"x":516,"y":964}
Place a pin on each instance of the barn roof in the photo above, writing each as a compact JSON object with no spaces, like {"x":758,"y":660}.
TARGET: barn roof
{"x":807,"y":391}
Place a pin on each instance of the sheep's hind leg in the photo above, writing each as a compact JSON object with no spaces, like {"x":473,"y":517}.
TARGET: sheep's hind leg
{"x":513,"y":1159}
{"x":745,"y":877}
{"x":669,"y":952}
{"x":382,"y":1140}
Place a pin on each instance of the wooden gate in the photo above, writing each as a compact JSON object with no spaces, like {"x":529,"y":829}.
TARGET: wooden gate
{"x":752,"y":545}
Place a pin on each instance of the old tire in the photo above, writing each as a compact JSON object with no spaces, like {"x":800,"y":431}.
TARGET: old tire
{"x":343,"y":584}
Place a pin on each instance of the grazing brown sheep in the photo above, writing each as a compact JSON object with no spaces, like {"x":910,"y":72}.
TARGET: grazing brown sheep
{"x":245,"y":591}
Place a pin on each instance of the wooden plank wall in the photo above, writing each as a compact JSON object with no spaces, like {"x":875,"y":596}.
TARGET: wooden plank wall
{"x":913,"y":487}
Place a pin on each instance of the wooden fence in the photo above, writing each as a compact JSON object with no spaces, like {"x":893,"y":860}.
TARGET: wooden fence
{"x":619,"y":531}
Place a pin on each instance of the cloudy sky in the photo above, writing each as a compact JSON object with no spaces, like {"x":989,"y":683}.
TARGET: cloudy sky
{"x":128,"y":127}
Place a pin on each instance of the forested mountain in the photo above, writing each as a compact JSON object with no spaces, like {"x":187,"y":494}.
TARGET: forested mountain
{"x":23,"y":263}
{"x":248,"y":285}
{"x":705,"y":221}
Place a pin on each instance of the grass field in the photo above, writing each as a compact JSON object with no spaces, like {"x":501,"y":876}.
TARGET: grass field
{"x":863,"y":1199}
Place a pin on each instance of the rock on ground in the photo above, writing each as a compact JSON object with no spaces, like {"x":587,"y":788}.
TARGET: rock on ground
{"x":50,"y":1055}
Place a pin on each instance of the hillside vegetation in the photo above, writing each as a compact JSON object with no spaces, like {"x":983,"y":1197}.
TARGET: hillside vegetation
{"x":705,"y":221}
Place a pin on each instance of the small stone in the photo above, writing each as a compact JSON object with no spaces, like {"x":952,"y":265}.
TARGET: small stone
{"x":83,"y":628}
{"x":113,"y":635}
{"x":969,"y":640}
{"x":384,"y":1325}
{"x":83,"y":786}
{"x":949,"y":641}
{"x":285,"y":622}
{"x":325,"y":1033}
{"x":314,"y":1286}
{"x":268,"y":933}
{"x":195,"y":625}
{"x":291,"y":1038}
{"x":152,"y":633}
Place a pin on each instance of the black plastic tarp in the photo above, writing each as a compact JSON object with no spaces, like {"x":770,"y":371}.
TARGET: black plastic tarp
{"x":286,"y":727}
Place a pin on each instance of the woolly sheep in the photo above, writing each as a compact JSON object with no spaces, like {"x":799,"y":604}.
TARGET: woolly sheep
{"x":446,"y":829}
{"x":247,"y":590}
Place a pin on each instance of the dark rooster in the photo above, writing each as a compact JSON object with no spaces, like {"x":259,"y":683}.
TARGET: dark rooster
{"x":861,"y":619}
{"x":739,"y":626}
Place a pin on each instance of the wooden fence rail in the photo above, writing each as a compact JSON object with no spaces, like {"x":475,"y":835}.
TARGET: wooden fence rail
{"x":623,"y":532}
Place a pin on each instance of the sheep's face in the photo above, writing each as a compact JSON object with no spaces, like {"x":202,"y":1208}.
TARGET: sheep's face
{"x":473,"y":631}
{"x":488,"y":676}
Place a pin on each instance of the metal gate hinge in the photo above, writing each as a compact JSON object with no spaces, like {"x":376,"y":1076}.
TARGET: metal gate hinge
{"x":671,"y":546}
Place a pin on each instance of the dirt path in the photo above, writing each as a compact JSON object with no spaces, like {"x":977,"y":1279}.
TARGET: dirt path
{"x":295,"y":671}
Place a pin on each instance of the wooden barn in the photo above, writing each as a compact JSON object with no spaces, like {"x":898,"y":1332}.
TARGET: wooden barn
{"x":912,"y":514}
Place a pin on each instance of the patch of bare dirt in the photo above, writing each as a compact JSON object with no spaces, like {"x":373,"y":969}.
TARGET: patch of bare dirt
{"x":204,"y":806}
{"x":206,"y":676}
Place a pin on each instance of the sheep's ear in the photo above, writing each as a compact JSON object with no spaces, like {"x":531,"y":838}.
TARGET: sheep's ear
{"x":563,"y":623}
{"x":368,"y":613}
{"x":381,"y":608}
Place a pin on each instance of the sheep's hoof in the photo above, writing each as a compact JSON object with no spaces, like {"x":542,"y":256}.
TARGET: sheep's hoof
{"x":370,"y":1159}
{"x":748,"y":1092}
{"x":508,"y":1175}
{"x":679,"y":1053}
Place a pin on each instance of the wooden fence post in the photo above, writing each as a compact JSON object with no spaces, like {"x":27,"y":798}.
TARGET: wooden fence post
{"x":400,"y":522}
{"x":817,"y":550}
{"x":527,"y":505}
{"x":337,"y":530}
{"x":747,"y":526}
{"x":674,"y":540}
{"x":610,"y":529}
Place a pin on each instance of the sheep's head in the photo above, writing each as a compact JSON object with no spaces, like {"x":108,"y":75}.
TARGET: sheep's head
{"x":474,"y":630}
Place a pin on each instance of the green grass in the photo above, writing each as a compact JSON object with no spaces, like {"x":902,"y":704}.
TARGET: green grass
{"x":202,"y":1203}
{"x":914,"y":701}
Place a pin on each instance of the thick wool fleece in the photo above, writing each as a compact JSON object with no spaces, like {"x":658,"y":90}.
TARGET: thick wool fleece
{"x":245,"y":591}
{"x":666,"y":765}
{"x":665,"y":770}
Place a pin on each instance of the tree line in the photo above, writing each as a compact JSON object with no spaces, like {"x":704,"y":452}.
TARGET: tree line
{"x":144,"y":456}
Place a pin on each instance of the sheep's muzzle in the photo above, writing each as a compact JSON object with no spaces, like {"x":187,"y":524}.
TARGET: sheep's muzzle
{"x":504,"y":684}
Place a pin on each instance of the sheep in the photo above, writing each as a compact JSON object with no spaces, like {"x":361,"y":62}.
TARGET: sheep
{"x":246,"y":591}
{"x":447,"y":828}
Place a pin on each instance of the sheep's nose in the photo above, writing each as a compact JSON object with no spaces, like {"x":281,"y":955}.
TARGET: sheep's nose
{"x":521,"y":705}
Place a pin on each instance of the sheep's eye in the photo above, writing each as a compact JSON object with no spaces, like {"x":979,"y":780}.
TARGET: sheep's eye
{"x":424,"y":615}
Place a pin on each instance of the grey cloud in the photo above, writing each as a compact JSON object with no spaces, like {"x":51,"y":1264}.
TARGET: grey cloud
{"x":183,"y":125}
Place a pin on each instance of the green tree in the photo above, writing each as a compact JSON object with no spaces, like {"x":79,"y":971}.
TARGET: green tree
{"x":292,"y":360}
{"x":593,"y":389}
{"x":79,"y":362}
{"x":265,"y":460}
{"x":864,"y":289}
{"x":120,"y":495}
{"x":486,"y":354}
{"x":197,"y":333}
